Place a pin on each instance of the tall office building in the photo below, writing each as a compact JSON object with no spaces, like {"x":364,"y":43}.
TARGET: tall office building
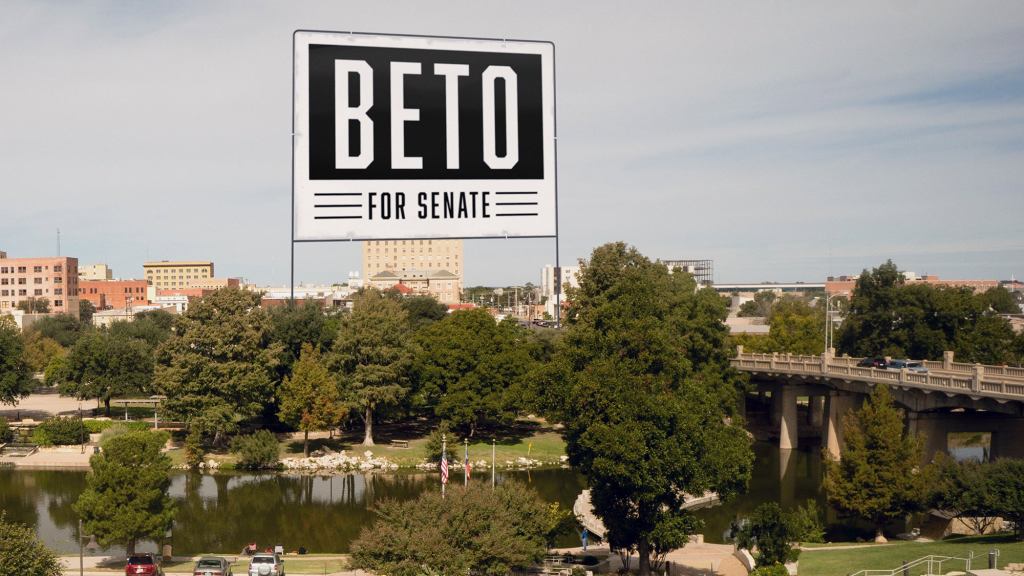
{"x":703,"y":271}
{"x":431,"y":267}
{"x":54,"y":280}
{"x":173,"y":275}
{"x":95,"y":272}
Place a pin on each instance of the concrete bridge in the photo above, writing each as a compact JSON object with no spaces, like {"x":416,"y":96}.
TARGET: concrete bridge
{"x":949,"y":397}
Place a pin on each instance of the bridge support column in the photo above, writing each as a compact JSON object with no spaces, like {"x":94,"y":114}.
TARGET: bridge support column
{"x":776,"y":405}
{"x":837,"y":405}
{"x":817,"y":410}
{"x":788,"y":434}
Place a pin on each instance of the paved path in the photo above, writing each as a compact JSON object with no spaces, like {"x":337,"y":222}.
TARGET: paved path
{"x":49,"y":404}
{"x":61,"y":457}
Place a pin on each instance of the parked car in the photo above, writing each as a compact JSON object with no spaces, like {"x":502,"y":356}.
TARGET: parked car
{"x":910,"y":365}
{"x":212,"y":566}
{"x":266,"y":564}
{"x":142,"y":564}
{"x":872,"y":362}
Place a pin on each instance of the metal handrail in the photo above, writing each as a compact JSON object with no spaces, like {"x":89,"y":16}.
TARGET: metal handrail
{"x":932,"y":561}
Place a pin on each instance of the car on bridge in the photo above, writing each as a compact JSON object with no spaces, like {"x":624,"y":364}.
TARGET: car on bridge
{"x":872,"y":362}
{"x":910,"y":365}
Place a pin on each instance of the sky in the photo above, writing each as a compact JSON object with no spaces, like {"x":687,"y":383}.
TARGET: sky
{"x":787,"y":141}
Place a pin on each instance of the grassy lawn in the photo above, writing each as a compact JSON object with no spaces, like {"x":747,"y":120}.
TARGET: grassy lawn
{"x":531,"y":439}
{"x":824,"y":562}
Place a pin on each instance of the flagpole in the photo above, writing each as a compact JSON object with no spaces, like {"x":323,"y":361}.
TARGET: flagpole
{"x":465,"y":464}
{"x":492,"y":463}
{"x":444,"y":464}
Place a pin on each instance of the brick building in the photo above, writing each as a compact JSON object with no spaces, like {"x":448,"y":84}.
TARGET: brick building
{"x":54,"y":280}
{"x":105,"y":294}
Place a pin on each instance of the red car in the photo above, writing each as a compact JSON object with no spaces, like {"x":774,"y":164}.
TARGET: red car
{"x":142,"y":564}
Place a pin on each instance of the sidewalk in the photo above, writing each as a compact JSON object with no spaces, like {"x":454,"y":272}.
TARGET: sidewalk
{"x":58,"y":457}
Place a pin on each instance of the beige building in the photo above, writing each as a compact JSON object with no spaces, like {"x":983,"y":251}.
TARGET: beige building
{"x":95,"y":272}
{"x":53,"y":280}
{"x":169,"y":275}
{"x":432,"y":267}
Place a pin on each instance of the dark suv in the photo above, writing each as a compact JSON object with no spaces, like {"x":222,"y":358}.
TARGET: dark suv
{"x":872,"y":362}
{"x":142,"y":564}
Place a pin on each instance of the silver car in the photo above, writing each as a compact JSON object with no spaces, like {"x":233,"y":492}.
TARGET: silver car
{"x":266,"y":564}
{"x":212,"y":566}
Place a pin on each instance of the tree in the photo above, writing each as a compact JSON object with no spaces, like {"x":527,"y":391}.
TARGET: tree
{"x":257,"y":451}
{"x":760,"y":306}
{"x":63,"y":328}
{"x":296,"y":324}
{"x":102,"y":365}
{"x":15,"y":375}
{"x":153,"y":327}
{"x":1006,"y":481}
{"x":85,"y":311}
{"x":796,"y":327}
{"x":475,"y":530}
{"x":34,"y":306}
{"x":40,"y":350}
{"x":309,"y":398}
{"x":22,"y":553}
{"x":1000,"y":300}
{"x":965,"y":490}
{"x":771,"y":531}
{"x":423,"y":311}
{"x":644,"y":387}
{"x":467,"y":364}
{"x":373,"y":356}
{"x":218,"y":369}
{"x":879,"y":477}
{"x":126,"y":495}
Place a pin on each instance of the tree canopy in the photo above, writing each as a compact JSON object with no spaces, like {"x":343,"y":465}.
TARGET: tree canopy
{"x":644,"y":387}
{"x":63,"y":328}
{"x":22,"y":553}
{"x":15,"y":375}
{"x":104,"y":365}
{"x":468,"y":367}
{"x":310,"y":399}
{"x":879,"y":477}
{"x":126,"y":496}
{"x":298,"y":323}
{"x":889,"y":317}
{"x":474,"y":530}
{"x":423,"y":311}
{"x":373,"y":356}
{"x":218,"y":369}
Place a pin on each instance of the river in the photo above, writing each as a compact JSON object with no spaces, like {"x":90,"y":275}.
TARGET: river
{"x":222,"y":512}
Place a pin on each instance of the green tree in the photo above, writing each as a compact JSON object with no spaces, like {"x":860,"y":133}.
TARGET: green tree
{"x":126,"y":496}
{"x":373,"y":355}
{"x":760,"y":306}
{"x":256,"y":451}
{"x":474,"y":530}
{"x":467,"y":364}
{"x":22,"y":553}
{"x":102,"y":365}
{"x":643,"y":386}
{"x":63,"y":328}
{"x":965,"y":490}
{"x":1000,"y":300}
{"x":218,"y":369}
{"x":423,"y":311}
{"x":152,"y":327}
{"x":796,"y":327}
{"x":1006,"y":481}
{"x":310,"y":399}
{"x":879,"y":477}
{"x":296,"y":324}
{"x":770,"y":530}
{"x":39,"y":350}
{"x":15,"y":375}
{"x":85,"y":311}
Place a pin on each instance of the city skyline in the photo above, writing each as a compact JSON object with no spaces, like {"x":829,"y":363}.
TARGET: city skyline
{"x":162,"y":132}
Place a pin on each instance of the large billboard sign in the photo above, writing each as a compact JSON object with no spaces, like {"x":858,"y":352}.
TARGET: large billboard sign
{"x":422,"y":137}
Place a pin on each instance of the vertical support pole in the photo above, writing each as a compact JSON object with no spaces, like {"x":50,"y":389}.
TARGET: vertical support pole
{"x":835,"y":406}
{"x":493,"y":461}
{"x":81,"y":554}
{"x":788,"y":435}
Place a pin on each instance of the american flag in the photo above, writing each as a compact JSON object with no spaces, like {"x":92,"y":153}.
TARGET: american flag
{"x":444,"y":468}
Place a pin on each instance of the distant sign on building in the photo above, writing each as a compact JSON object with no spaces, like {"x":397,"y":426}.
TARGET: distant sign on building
{"x":401,"y":137}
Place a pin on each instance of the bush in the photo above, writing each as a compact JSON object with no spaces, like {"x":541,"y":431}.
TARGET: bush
{"x":99,"y":426}
{"x":6,"y":434}
{"x":119,"y":428}
{"x":773,"y":570}
{"x":194,"y":452}
{"x":771,"y":531}
{"x":433,"y":446}
{"x":805,"y":523}
{"x":59,"y":431}
{"x":22,"y":553}
{"x":257,"y":451}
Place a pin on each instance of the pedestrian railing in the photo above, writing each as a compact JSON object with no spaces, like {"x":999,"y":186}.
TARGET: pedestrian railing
{"x":931,"y":565}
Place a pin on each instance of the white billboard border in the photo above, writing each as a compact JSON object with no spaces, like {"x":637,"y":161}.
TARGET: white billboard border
{"x":554,"y":144}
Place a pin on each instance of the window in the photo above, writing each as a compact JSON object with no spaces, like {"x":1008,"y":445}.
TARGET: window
{"x":57,"y":280}
{"x":38,"y":292}
{"x":22,"y":269}
{"x":22,"y":292}
{"x":58,"y":303}
{"x":37,"y":269}
{"x":58,"y":268}
{"x":3,"y":281}
{"x":3,"y":269}
{"x":22,"y":281}
{"x":58,"y":291}
{"x":5,"y":292}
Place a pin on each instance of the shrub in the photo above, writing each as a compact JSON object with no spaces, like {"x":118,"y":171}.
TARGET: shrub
{"x":194,"y":452}
{"x":433,"y":446}
{"x":773,"y":570}
{"x":805,"y":523}
{"x":120,"y":428}
{"x":6,"y":434}
{"x":59,"y":431}
{"x":257,"y":451}
{"x":771,"y":531}
{"x":22,"y":553}
{"x":99,"y":426}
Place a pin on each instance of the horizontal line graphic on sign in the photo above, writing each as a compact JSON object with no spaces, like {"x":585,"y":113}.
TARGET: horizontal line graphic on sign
{"x":337,"y":205}
{"x":519,"y":214}
{"x":516,"y":203}
{"x":336,"y":217}
{"x":337,"y":194}
{"x":533,"y":192}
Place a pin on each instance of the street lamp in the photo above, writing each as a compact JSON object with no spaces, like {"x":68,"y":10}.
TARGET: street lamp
{"x":81,"y":553}
{"x":81,"y":424}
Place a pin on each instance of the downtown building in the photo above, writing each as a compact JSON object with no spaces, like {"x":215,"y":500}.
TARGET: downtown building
{"x":52,"y":279}
{"x":415,"y":267}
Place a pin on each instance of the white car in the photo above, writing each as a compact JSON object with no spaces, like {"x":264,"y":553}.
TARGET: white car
{"x":266,"y":564}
